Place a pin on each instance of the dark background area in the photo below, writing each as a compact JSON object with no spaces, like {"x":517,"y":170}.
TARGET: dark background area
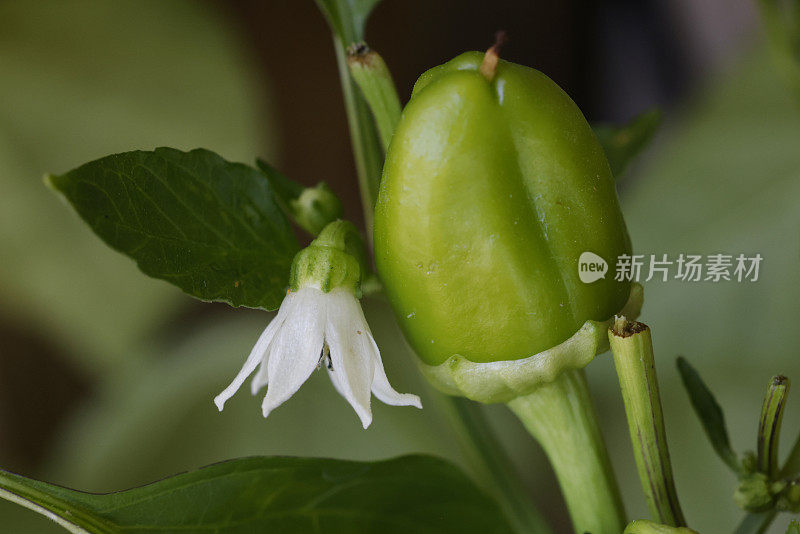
{"x":614,"y":59}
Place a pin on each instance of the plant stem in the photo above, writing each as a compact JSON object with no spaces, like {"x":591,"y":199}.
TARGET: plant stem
{"x":561,"y":417}
{"x":375,"y":82}
{"x":632,"y":347}
{"x":363,"y":138}
{"x":488,"y":459}
{"x":769,"y":426}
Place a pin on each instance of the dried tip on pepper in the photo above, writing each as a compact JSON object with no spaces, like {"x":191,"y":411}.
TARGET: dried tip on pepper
{"x":489,"y":64}
{"x":624,"y":328}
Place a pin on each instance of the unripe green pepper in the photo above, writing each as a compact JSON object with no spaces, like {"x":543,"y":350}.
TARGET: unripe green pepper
{"x":493,"y":187}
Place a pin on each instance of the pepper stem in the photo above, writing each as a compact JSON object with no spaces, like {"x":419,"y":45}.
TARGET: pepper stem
{"x":769,"y":425}
{"x":561,"y":417}
{"x":632,"y":347}
{"x":489,"y":64}
{"x":375,"y":81}
{"x":363,"y":138}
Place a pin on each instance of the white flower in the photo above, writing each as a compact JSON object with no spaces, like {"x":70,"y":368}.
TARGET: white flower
{"x":313,"y":326}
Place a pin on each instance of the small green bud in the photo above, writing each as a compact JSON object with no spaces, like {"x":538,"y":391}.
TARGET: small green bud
{"x":789,"y":497}
{"x":315,"y":208}
{"x":643,"y":526}
{"x":335,"y":259}
{"x":754,"y":493}
{"x":311,"y":208}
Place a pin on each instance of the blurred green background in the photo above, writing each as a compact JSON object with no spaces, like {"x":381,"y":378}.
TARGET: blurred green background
{"x":107,"y":377}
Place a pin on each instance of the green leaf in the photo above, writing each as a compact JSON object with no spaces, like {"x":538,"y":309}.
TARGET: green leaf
{"x":285,"y":188}
{"x":793,"y":528}
{"x":623,"y":143}
{"x":210,"y":227}
{"x":709,"y":412}
{"x":792,"y":465}
{"x":347,"y":17}
{"x":420,"y":494}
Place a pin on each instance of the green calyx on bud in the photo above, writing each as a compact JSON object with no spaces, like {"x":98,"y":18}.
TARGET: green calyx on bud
{"x":789,"y":498}
{"x":493,"y":188}
{"x":311,"y":208}
{"x":643,"y":526}
{"x":755,"y":493}
{"x":335,"y":259}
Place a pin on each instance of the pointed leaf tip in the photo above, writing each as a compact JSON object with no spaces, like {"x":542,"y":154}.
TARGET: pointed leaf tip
{"x":709,"y":412}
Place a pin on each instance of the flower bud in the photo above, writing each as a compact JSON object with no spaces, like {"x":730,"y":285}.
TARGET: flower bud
{"x":789,"y":499}
{"x":315,"y":207}
{"x":312,"y":208}
{"x":494,"y":186}
{"x":754,"y":493}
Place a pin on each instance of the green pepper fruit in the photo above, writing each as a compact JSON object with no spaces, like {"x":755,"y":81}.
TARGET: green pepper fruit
{"x":494,"y":186}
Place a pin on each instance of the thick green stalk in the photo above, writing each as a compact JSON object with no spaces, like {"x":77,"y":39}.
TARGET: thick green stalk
{"x":632,"y":347}
{"x":769,"y":426}
{"x":490,"y":463}
{"x":363,"y":138}
{"x":560,"y":415}
{"x":375,"y":81}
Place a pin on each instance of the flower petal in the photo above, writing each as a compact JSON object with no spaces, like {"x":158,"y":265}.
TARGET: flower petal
{"x":381,"y":387}
{"x":262,"y":377}
{"x":258,"y":354}
{"x":352,"y":367}
{"x":294,"y":353}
